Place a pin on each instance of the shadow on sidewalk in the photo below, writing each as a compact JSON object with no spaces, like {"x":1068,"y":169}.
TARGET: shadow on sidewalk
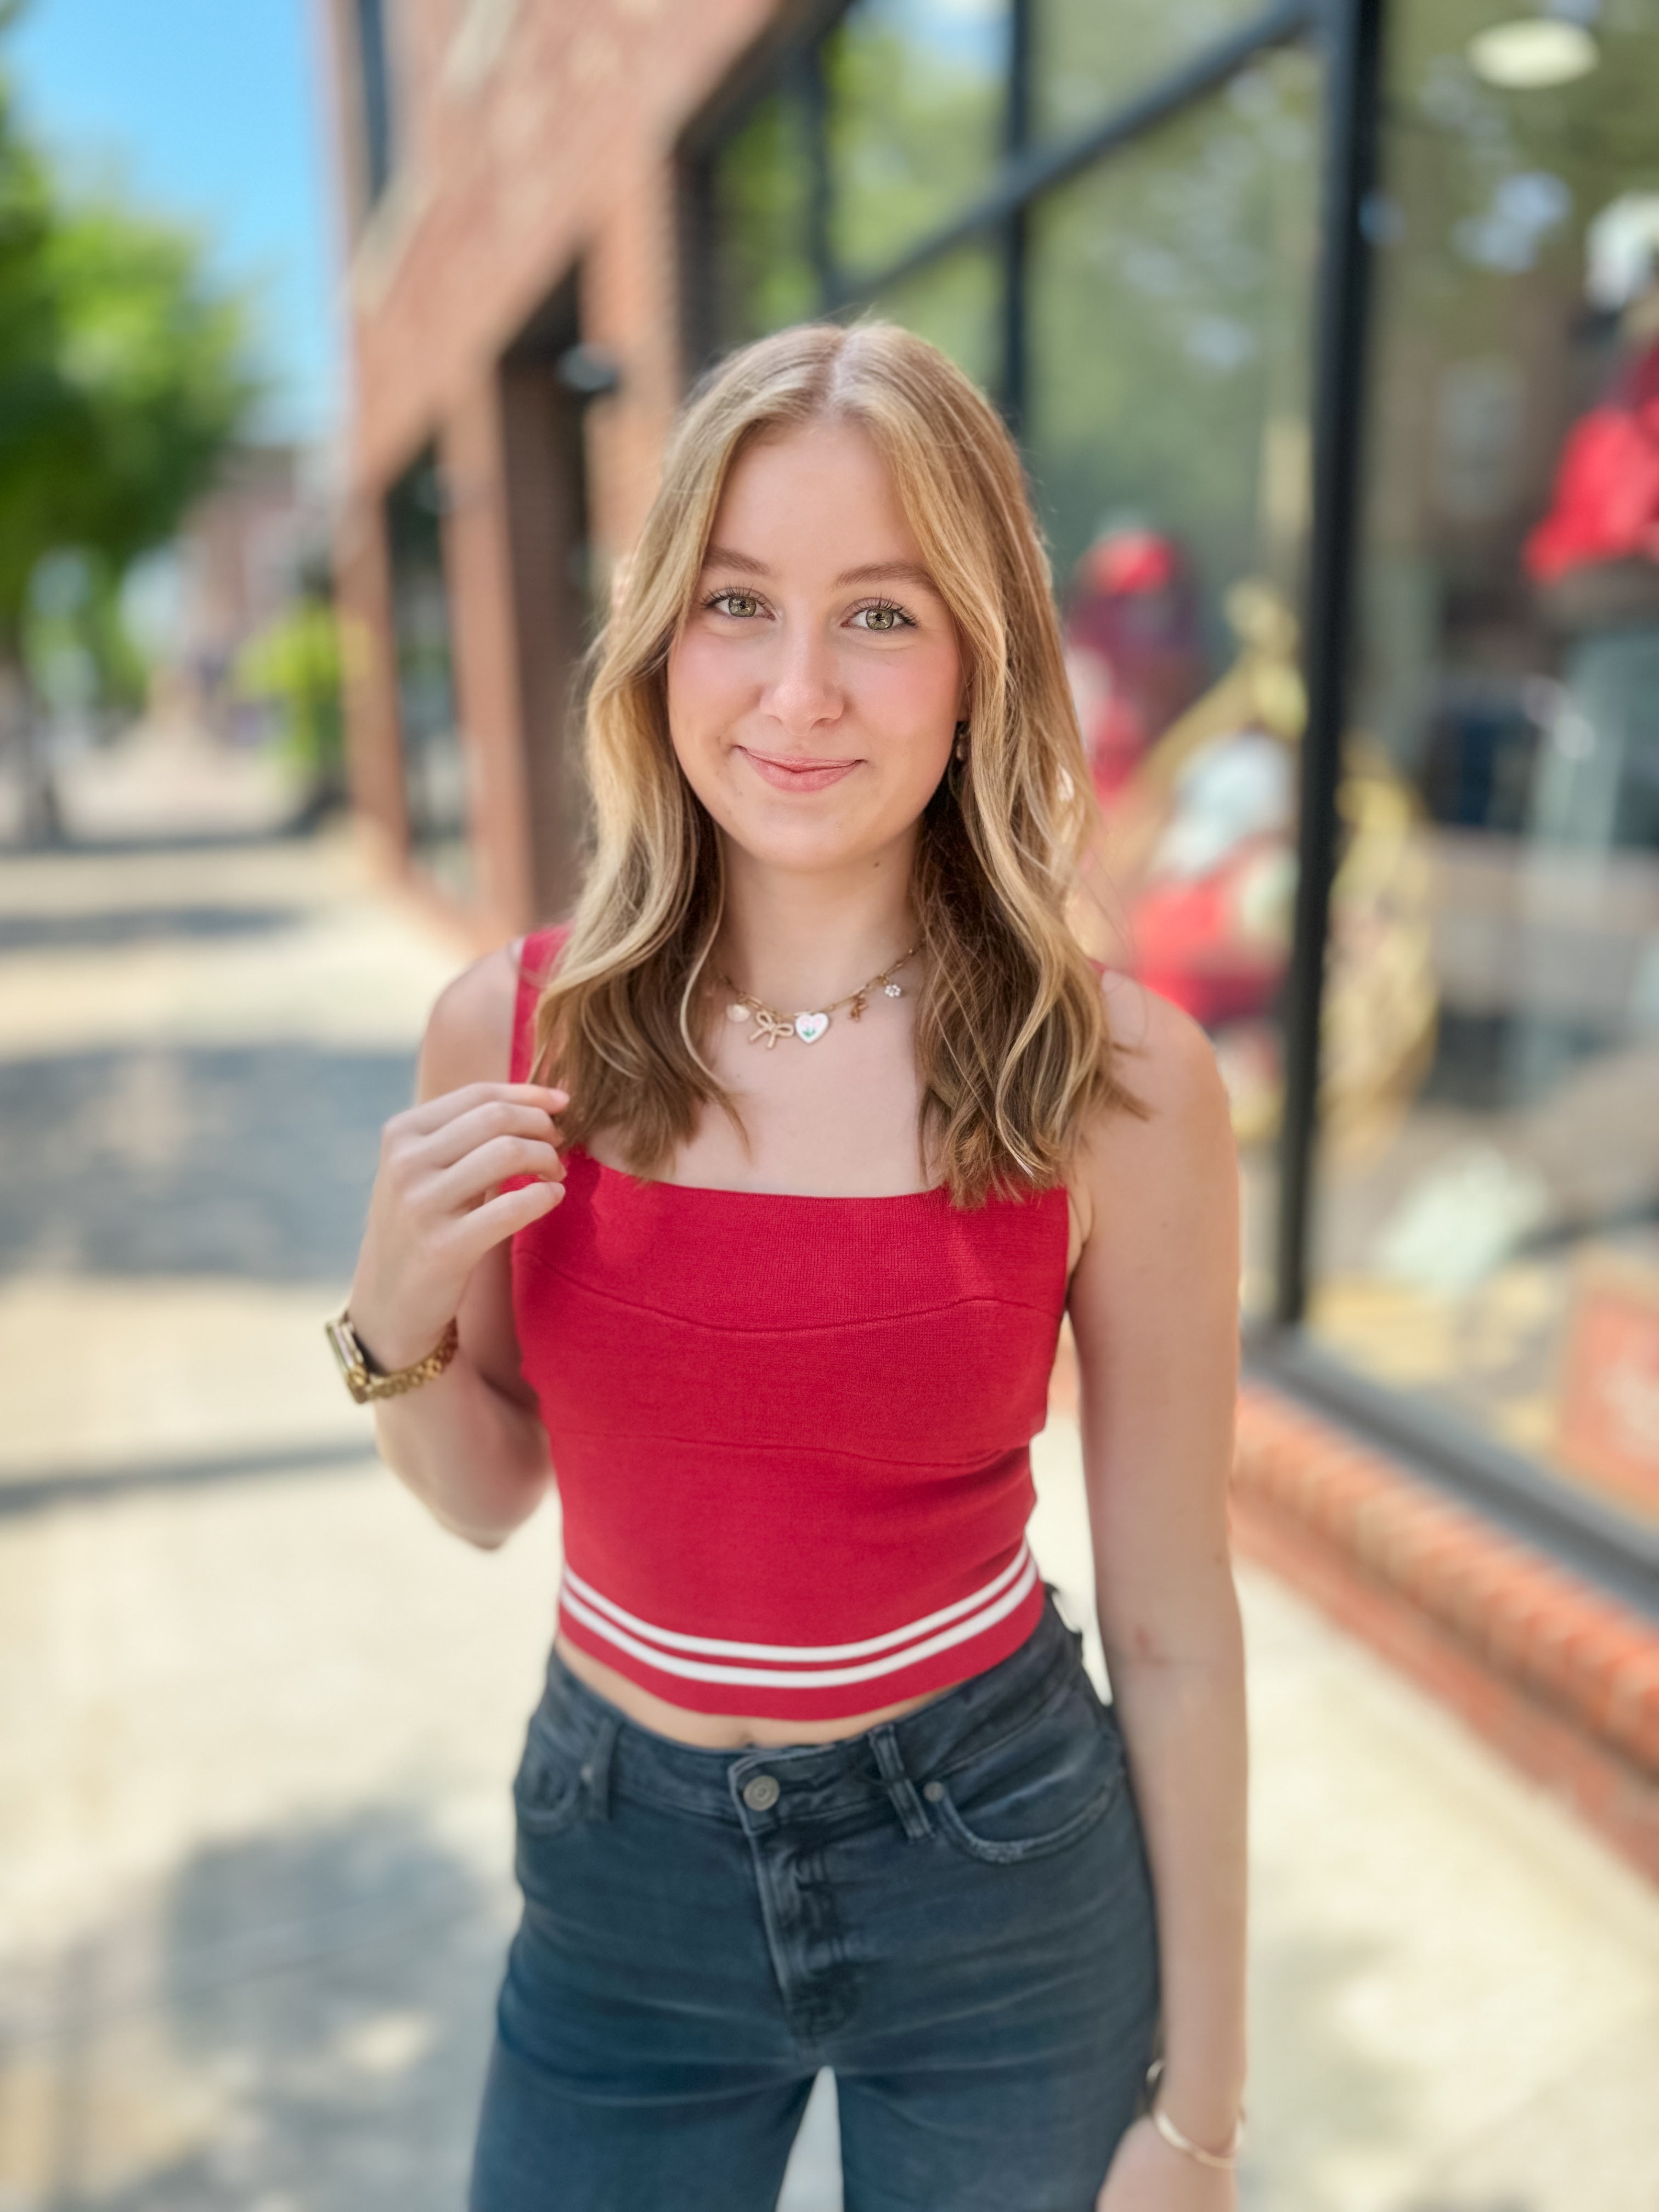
{"x":304,"y":2023}
{"x":106,"y":931}
{"x":34,"y":1489}
{"x":245,"y":1160}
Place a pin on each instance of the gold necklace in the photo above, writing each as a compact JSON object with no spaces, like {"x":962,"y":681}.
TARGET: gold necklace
{"x":809,"y":1028}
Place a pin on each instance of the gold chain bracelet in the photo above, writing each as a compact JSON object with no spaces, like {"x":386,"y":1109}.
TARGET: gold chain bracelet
{"x":1178,"y":2140}
{"x":365,"y":1383}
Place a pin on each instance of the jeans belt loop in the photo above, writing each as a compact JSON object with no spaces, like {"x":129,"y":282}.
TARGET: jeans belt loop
{"x":900,"y":1788}
{"x":595,"y":1768}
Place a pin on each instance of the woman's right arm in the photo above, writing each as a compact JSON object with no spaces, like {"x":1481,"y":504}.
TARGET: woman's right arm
{"x":470,"y":1445}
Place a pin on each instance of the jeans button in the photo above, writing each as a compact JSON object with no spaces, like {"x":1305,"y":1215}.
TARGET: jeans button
{"x":932,"y":1791}
{"x":761,"y":1792}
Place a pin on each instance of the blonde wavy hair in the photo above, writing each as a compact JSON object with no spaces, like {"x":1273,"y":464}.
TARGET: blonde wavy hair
{"x":1012,"y":1040}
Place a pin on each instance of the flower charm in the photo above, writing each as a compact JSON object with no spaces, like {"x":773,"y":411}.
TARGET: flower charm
{"x":809,"y":1028}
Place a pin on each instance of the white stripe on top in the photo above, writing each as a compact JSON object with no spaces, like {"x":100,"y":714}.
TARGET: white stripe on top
{"x":969,"y":1616}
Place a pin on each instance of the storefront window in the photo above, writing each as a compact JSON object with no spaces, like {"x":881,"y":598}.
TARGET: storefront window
{"x":1166,"y":436}
{"x":1485,"y":1179}
{"x":1487,"y":1216}
{"x":917,"y":101}
{"x":1087,"y":59}
{"x":434,"y":764}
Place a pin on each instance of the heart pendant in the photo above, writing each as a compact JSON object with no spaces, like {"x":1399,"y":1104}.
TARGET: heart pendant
{"x":809,"y":1028}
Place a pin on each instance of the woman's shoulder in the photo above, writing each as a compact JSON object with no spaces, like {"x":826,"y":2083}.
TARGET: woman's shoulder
{"x":1167,"y":1063}
{"x":468,"y":1032}
{"x":476,"y":1023}
{"x":1162,"y":1170}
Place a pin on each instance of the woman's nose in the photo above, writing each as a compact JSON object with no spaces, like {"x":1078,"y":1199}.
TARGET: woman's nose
{"x":804,"y":692}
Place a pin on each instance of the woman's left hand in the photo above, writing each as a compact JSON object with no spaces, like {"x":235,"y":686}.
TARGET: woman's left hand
{"x":1147,"y":2175}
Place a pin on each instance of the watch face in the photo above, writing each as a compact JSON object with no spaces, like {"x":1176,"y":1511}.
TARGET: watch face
{"x":348,"y":1354}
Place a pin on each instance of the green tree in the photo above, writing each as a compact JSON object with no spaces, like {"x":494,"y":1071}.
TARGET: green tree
{"x":125,"y":376}
{"x":38,"y":443}
{"x":293,"y":667}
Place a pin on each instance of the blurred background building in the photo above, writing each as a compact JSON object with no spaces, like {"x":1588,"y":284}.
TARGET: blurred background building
{"x":1337,"y":325}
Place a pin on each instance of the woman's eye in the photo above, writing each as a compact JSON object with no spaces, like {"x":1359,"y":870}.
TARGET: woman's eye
{"x":884,"y":618}
{"x":742,"y":605}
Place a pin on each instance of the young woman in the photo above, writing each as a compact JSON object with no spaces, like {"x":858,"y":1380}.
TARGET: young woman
{"x":753,"y":1202}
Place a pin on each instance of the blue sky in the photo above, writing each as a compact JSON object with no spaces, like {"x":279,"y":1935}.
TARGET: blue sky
{"x":210,"y":110}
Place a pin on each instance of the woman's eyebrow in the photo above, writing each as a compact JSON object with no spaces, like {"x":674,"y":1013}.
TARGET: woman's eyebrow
{"x":889,"y":572}
{"x":722,"y":556}
{"x":870,"y":572}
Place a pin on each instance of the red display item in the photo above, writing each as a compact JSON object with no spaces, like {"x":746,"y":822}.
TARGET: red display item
{"x":791,"y":1434}
{"x":1131,"y":648}
{"x":1605,"y":506}
{"x":1189,"y":948}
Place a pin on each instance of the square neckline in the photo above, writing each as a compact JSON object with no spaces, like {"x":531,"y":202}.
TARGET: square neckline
{"x":786,"y":1197}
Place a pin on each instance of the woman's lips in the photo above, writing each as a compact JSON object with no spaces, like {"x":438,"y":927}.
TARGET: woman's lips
{"x":790,"y":775}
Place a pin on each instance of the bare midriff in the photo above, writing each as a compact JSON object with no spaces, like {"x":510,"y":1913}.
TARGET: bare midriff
{"x":718,"y":1731}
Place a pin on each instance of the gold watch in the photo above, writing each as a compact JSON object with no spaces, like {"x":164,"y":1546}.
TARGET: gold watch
{"x":365,"y":1381}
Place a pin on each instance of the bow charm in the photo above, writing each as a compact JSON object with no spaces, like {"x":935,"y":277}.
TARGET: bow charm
{"x":769,"y":1026}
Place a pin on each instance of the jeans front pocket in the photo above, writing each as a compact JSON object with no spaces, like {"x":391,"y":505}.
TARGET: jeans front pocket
{"x":550,"y":1790}
{"x":1041,"y":1789}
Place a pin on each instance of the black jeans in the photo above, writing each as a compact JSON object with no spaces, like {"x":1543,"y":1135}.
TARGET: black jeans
{"x":952,"y":1911}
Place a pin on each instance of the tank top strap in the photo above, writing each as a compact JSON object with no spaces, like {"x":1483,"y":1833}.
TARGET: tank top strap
{"x":538,"y":956}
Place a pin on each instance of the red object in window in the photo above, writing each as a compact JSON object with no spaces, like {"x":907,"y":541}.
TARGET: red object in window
{"x":1132,"y":645}
{"x":1607,"y":487}
{"x":1189,"y":948}
{"x":1131,"y":560}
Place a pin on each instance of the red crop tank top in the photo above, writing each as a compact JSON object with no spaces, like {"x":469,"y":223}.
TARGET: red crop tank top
{"x":791,"y":1435}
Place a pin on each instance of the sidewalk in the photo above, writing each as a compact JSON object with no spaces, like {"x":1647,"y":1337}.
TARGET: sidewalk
{"x":263,"y":1713}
